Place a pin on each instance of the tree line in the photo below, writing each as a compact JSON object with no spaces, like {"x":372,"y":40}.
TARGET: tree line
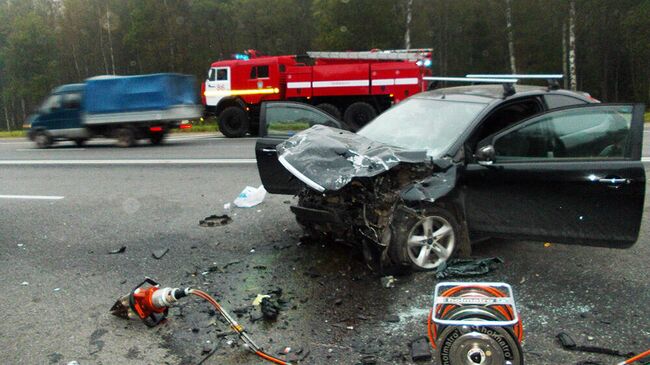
{"x":45,"y":43}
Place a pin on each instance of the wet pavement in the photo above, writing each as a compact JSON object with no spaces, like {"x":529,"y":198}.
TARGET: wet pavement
{"x":332,"y":308}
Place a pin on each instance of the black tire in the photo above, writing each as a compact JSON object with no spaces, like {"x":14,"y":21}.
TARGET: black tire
{"x":42,"y":139}
{"x":125,"y":137}
{"x":80,"y":142}
{"x":330,"y":109}
{"x":405,"y":224}
{"x":156,"y":138}
{"x":233,"y":122}
{"x":358,"y":114}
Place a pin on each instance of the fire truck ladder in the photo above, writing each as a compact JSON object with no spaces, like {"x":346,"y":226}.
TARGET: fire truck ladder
{"x":400,"y":55}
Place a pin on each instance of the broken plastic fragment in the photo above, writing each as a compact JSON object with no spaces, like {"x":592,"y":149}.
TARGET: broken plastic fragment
{"x":116,"y":251}
{"x":250,"y":197}
{"x":258,"y":299}
{"x":158,"y":254}
{"x":388,"y":281}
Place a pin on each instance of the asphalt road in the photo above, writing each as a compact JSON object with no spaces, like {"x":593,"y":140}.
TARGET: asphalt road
{"x":58,"y":280}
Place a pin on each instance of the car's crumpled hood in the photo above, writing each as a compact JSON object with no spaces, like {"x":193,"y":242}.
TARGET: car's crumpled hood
{"x":327,"y":159}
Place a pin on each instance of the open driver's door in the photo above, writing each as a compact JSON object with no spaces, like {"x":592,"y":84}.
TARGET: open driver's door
{"x":278,"y":122}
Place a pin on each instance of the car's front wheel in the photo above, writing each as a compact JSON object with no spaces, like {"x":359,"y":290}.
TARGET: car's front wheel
{"x":424,"y":241}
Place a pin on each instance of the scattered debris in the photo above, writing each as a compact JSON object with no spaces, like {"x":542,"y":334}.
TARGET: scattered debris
{"x":226,"y":206}
{"x":250,"y":197}
{"x":569,"y":344}
{"x":338,"y":301}
{"x":420,"y":350}
{"x":57,"y":289}
{"x":467,"y":267}
{"x":391,"y":318}
{"x":312,"y":272}
{"x":158,"y":254}
{"x":73,"y":362}
{"x":270,"y":311}
{"x":24,"y":283}
{"x":388,"y":281}
{"x":547,"y":244}
{"x":258,"y":300}
{"x":119,"y":250}
{"x":369,"y":359}
{"x":215,"y":220}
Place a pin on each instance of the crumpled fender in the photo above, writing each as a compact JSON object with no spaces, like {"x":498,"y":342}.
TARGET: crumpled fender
{"x":441,"y":183}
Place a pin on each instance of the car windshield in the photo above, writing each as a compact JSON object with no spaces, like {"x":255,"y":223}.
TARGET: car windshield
{"x":418,"y":123}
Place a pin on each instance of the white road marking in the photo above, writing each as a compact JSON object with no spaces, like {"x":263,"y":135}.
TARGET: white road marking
{"x":36,"y":197}
{"x":202,"y":161}
{"x":48,"y":150}
{"x":645,"y":159}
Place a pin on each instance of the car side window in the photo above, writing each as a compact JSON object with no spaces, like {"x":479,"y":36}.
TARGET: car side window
{"x":288,"y":120}
{"x":508,"y":115}
{"x":212,"y":74}
{"x":554,"y":101}
{"x":598,"y":132}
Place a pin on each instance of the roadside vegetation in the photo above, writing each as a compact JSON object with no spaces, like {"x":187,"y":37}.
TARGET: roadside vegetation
{"x":46,"y":43}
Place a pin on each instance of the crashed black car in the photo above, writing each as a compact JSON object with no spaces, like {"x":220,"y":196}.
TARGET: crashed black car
{"x":451,"y":166}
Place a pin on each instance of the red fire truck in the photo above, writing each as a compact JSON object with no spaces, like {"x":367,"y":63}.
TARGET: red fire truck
{"x":353,"y":85}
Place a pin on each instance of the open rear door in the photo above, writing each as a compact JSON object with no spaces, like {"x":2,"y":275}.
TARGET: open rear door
{"x":279,"y":121}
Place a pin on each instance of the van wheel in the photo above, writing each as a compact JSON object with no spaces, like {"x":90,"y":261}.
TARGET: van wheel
{"x":125,"y":137}
{"x":359,"y":114}
{"x":330,"y":109}
{"x":233,"y":122}
{"x":80,"y":142}
{"x":426,"y":241}
{"x":42,"y":139}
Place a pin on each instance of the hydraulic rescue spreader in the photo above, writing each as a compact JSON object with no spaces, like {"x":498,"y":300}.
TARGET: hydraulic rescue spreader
{"x":150,"y":303}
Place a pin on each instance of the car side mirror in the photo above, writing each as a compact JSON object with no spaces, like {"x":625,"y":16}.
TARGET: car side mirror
{"x":485,"y":155}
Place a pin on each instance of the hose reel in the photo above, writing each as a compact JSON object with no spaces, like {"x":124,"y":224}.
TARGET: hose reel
{"x":475,"y":324}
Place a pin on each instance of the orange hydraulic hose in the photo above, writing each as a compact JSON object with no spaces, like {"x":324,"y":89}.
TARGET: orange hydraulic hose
{"x":203,"y":295}
{"x":636,"y":358}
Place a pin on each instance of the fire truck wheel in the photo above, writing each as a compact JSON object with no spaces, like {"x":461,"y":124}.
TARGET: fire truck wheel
{"x":233,"y":122}
{"x":358,"y":114}
{"x":330,"y":109}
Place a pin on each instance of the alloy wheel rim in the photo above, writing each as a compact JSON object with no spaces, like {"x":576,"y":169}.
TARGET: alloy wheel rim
{"x":430,"y":242}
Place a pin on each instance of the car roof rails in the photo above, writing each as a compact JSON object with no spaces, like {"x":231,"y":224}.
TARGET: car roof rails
{"x":551,"y":79}
{"x":508,"y":82}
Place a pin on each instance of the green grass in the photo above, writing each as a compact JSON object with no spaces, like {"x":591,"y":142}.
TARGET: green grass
{"x":13,"y":134}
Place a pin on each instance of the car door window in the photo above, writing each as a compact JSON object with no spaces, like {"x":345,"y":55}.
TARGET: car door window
{"x":598,"y":132}
{"x":288,"y":120}
{"x":554,"y":101}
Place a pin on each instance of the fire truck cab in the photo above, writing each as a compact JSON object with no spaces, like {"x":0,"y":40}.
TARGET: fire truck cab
{"x":353,"y":86}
